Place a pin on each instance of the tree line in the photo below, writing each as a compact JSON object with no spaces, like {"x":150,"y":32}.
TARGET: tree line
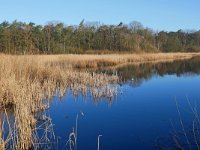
{"x":55,"y":37}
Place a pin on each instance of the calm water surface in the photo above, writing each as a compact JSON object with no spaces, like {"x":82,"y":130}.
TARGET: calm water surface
{"x":143,"y":117}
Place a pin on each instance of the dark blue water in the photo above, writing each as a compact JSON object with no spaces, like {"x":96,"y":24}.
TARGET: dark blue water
{"x":144,"y":117}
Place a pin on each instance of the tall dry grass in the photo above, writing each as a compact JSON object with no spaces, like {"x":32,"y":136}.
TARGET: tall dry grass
{"x":27,"y":83}
{"x":93,"y":61}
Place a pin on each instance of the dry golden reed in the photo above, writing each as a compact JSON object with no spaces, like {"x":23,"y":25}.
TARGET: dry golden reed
{"x":27,"y":83}
{"x":94,"y":61}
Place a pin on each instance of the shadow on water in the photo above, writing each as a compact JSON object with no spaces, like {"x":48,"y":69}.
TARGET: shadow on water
{"x":139,"y":118}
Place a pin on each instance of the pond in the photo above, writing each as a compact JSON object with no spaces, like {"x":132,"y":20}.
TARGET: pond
{"x":155,"y":108}
{"x":155,"y":105}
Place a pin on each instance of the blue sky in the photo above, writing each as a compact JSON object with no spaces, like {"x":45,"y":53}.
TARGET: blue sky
{"x":169,"y":15}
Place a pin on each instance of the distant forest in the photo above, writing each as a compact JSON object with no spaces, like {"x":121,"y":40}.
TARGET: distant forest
{"x":55,"y":37}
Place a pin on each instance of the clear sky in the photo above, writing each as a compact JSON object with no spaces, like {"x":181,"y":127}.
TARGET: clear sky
{"x":169,"y":15}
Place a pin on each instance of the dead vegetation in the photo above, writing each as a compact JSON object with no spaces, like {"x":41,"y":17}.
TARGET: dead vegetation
{"x":27,"y":84}
{"x":94,"y":61}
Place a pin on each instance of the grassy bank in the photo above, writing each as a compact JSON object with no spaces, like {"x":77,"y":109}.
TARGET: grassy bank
{"x":94,"y":61}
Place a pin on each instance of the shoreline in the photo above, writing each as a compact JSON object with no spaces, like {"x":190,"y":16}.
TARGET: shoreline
{"x":113,"y":60}
{"x":84,"y":61}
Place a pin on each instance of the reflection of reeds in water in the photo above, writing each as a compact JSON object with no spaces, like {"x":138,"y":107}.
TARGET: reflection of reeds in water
{"x":27,"y":83}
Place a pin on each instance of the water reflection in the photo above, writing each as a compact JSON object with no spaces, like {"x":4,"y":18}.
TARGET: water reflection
{"x":135,"y":120}
{"x":136,"y":74}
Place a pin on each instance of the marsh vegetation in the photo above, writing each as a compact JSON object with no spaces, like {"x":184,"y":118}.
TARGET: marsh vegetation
{"x":28,"y":83}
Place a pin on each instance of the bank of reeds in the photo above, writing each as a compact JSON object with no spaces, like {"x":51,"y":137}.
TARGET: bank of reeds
{"x":27,"y":83}
{"x":94,"y":61}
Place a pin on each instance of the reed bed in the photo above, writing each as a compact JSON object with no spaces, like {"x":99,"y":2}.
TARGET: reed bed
{"x":94,"y":61}
{"x":27,"y":83}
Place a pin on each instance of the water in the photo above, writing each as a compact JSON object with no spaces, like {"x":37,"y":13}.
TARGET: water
{"x":156,"y":109}
{"x":145,"y":116}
